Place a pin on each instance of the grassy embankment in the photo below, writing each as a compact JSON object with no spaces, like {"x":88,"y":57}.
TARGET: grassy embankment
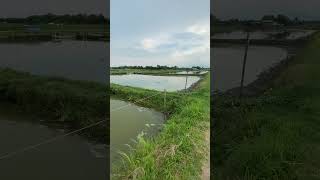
{"x":142,"y":71}
{"x":56,"y":100}
{"x":179,"y":151}
{"x":160,"y":72}
{"x":275,"y":135}
{"x":16,"y":32}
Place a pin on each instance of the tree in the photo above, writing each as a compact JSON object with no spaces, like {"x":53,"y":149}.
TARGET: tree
{"x":268,"y":18}
{"x":282,"y":19}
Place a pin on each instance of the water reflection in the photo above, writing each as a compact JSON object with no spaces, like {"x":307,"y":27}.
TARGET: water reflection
{"x":70,"y":59}
{"x":128,"y":123}
{"x":72,"y":157}
{"x":227,"y":64}
{"x":170,"y":83}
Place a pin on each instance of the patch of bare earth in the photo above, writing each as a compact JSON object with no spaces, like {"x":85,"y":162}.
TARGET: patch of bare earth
{"x":206,"y":167}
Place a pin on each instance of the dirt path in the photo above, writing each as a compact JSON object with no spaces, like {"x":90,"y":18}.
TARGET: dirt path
{"x":206,"y":167}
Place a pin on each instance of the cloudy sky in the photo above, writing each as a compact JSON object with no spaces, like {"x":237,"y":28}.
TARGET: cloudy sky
{"x":255,"y":9}
{"x":23,"y":8}
{"x":166,"y":32}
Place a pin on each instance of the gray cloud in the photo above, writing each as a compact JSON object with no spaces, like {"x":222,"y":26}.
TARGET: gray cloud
{"x":249,"y":9}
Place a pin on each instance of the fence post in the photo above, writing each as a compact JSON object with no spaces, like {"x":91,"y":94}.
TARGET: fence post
{"x":244,"y":63}
{"x":165,"y":98}
{"x":185,"y":86}
{"x":164,"y":103}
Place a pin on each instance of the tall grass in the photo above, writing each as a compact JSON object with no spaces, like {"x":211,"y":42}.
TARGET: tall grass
{"x":58,"y":100}
{"x":275,"y":135}
{"x":179,"y":150}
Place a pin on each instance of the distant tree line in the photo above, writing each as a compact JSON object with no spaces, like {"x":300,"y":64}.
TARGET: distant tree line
{"x":158,"y":67}
{"x":146,"y":67}
{"x":59,"y":19}
{"x":280,"y":19}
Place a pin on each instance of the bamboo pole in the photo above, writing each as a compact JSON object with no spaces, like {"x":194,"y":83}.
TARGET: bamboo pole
{"x":244,"y":64}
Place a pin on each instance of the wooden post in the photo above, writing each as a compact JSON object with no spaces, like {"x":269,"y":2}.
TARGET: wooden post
{"x":244,"y":63}
{"x":164,"y":103}
{"x":185,"y":86}
{"x":287,"y":52}
{"x":165,"y":98}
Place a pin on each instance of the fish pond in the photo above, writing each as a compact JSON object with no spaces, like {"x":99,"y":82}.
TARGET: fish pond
{"x":71,"y":157}
{"x":77,"y":60}
{"x":128,"y":121}
{"x":160,"y":83}
{"x":227,"y":64}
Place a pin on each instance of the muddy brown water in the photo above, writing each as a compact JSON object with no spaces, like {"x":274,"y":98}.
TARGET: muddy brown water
{"x":75,"y":60}
{"x":227,"y":64}
{"x":128,"y":123}
{"x":71,"y":157}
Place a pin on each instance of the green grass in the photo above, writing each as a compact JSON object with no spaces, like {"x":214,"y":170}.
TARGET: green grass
{"x":53,"y":28}
{"x":57,"y":100}
{"x":275,"y":135}
{"x":142,"y":71}
{"x":179,"y":150}
{"x":19,"y":32}
{"x":155,"y":98}
{"x":160,"y":72}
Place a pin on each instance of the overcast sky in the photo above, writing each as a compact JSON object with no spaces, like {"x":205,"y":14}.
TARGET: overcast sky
{"x":166,"y":32}
{"x":23,"y":8}
{"x":255,"y":9}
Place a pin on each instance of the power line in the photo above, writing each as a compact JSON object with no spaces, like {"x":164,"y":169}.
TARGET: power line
{"x":116,"y":109}
{"x":10,"y":154}
{"x":28,"y":148}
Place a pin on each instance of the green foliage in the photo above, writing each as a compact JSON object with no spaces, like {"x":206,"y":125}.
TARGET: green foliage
{"x":61,"y":19}
{"x":75,"y":103}
{"x":275,"y":135}
{"x":158,"y":71}
{"x":179,"y":150}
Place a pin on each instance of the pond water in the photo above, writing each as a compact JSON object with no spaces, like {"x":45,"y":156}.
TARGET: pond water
{"x":185,"y":72}
{"x":170,"y":83}
{"x":299,"y":34}
{"x":227,"y":64}
{"x":76,"y":60}
{"x":192,"y":72}
{"x":241,"y":35}
{"x":127,"y":123}
{"x":296,"y":34}
{"x":72,"y":157}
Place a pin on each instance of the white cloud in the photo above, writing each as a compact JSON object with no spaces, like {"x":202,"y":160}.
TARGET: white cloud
{"x":153,"y":43}
{"x":148,"y":43}
{"x":188,"y":47}
{"x":199,"y":47}
{"x":200,"y":29}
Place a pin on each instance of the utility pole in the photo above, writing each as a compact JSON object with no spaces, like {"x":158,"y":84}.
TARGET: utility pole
{"x":244,"y":63}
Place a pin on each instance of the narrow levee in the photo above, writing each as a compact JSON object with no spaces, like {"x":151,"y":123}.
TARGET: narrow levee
{"x":274,"y":133}
{"x":182,"y":135}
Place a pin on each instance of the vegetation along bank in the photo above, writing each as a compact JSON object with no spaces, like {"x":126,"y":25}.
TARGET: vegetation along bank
{"x":179,"y":150}
{"x":274,"y":135}
{"x":57,"y":101}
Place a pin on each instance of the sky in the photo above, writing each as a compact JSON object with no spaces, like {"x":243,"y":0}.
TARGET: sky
{"x":23,"y":8}
{"x":255,"y":9}
{"x":160,"y":32}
